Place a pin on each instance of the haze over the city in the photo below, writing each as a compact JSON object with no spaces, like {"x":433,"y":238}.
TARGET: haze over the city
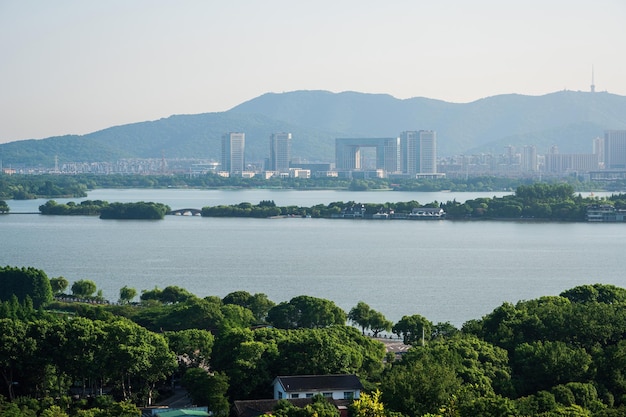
{"x":74,"y":67}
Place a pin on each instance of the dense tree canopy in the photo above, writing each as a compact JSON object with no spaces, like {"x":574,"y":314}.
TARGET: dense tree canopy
{"x":140,"y":210}
{"x":25,"y":282}
{"x":306,"y":311}
{"x":84,"y":208}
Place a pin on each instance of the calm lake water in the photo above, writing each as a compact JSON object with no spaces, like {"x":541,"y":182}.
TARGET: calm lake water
{"x":444,"y":270}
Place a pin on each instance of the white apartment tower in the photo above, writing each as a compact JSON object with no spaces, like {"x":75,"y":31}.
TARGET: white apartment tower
{"x":280,"y":152}
{"x":233,"y":147}
{"x":418,"y":152}
{"x":529,"y":159}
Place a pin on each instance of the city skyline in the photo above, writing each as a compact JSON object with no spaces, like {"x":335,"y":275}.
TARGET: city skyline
{"x":74,"y":67}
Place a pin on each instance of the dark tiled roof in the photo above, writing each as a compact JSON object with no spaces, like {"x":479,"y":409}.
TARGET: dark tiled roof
{"x":319,"y":382}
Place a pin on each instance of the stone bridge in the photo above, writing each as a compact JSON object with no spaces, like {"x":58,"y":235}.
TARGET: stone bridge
{"x":186,"y":212}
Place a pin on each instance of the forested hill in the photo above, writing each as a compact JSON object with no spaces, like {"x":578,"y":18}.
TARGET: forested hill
{"x":567,"y":119}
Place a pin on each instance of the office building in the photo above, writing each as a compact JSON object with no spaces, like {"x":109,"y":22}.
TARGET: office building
{"x":233,"y":147}
{"x":280,"y":152}
{"x":349,"y":158}
{"x":615,"y":149}
{"x":418,"y":152}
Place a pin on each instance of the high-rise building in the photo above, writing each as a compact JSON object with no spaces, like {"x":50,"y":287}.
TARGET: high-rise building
{"x":418,"y":152}
{"x":615,"y":149}
{"x":280,"y":152}
{"x":598,"y":149}
{"x":529,"y":159}
{"x":233,"y":147}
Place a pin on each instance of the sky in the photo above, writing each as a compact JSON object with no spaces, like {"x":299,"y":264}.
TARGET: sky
{"x":76,"y":66}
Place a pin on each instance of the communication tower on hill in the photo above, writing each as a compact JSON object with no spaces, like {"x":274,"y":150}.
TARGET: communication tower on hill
{"x":593,"y":85}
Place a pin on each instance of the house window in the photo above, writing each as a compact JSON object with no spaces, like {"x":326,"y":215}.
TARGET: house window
{"x":309,"y":395}
{"x":280,"y":395}
{"x":348,"y":395}
{"x":295,"y":395}
{"x":328,"y":395}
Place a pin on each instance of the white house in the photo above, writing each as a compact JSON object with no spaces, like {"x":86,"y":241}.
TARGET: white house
{"x":337,"y":387}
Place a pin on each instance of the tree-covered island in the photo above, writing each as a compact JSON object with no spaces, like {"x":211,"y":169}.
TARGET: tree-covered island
{"x":76,"y":354}
{"x":555,"y":202}
{"x":106,"y":210}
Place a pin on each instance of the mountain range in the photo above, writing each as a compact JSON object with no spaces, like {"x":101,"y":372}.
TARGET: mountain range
{"x":567,"y":119}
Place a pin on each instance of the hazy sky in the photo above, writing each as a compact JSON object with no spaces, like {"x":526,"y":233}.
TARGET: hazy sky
{"x":76,"y":66}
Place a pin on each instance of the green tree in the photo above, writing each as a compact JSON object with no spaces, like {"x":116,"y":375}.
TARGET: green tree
{"x":415,"y":388}
{"x":4,"y":207}
{"x":601,"y":293}
{"x":260,"y":305}
{"x":379,"y":323}
{"x":130,"y":351}
{"x":236,"y":316}
{"x":58,"y":285}
{"x":127,"y":294}
{"x":193,"y":346}
{"x":15,"y":349}
{"x":208,"y":389}
{"x":84,"y":288}
{"x":174,"y":294}
{"x":360,"y":315}
{"x":240,"y":298}
{"x":542,"y":365}
{"x":413,"y":329}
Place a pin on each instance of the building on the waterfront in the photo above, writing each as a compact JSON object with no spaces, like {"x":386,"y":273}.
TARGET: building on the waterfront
{"x":418,"y":152}
{"x":604,"y":213}
{"x":348,"y":154}
{"x":233,"y":148}
{"x":280,"y":152}
{"x":614,"y":149}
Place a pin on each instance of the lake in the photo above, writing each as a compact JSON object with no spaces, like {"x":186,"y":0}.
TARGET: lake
{"x":444,"y":270}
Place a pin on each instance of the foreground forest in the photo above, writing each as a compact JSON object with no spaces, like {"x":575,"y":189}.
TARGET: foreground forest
{"x":65,"y":351}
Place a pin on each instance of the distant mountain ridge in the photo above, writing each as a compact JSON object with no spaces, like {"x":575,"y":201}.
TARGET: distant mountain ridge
{"x":567,"y":119}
